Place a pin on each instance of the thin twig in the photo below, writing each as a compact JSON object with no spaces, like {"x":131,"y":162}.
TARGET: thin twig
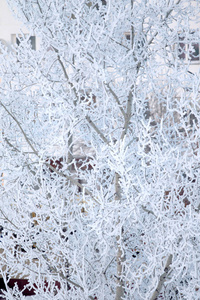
{"x":148,"y":211}
{"x":8,"y":219}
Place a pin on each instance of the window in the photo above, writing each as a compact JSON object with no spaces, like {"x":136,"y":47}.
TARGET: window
{"x":102,"y":3}
{"x":127,"y":36}
{"x":188,"y":48}
{"x":139,"y":43}
{"x":17,"y":38}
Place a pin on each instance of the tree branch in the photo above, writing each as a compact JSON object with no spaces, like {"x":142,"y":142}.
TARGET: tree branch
{"x":163,"y":278}
{"x":116,"y":98}
{"x":97,"y":130}
{"x":72,"y":180}
{"x":167,"y":15}
{"x":128,"y":114}
{"x":148,"y":211}
{"x":8,"y":219}
{"x":64,"y":277}
{"x":76,"y":94}
{"x":20,"y":127}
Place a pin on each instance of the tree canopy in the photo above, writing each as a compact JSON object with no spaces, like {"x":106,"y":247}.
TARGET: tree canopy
{"x":99,"y":151}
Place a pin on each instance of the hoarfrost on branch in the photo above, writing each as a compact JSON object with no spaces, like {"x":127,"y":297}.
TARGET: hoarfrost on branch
{"x":100,"y":150}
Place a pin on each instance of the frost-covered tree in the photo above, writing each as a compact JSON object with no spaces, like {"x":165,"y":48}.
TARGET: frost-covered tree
{"x":99,"y":150}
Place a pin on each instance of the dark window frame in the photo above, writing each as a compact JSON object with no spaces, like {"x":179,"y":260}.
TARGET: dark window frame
{"x":32,"y":40}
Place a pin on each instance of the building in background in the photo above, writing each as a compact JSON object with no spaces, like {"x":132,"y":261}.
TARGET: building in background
{"x":11,"y":29}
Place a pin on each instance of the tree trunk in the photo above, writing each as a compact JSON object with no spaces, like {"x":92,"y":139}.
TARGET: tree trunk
{"x":120,"y":255}
{"x":162,"y":278}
